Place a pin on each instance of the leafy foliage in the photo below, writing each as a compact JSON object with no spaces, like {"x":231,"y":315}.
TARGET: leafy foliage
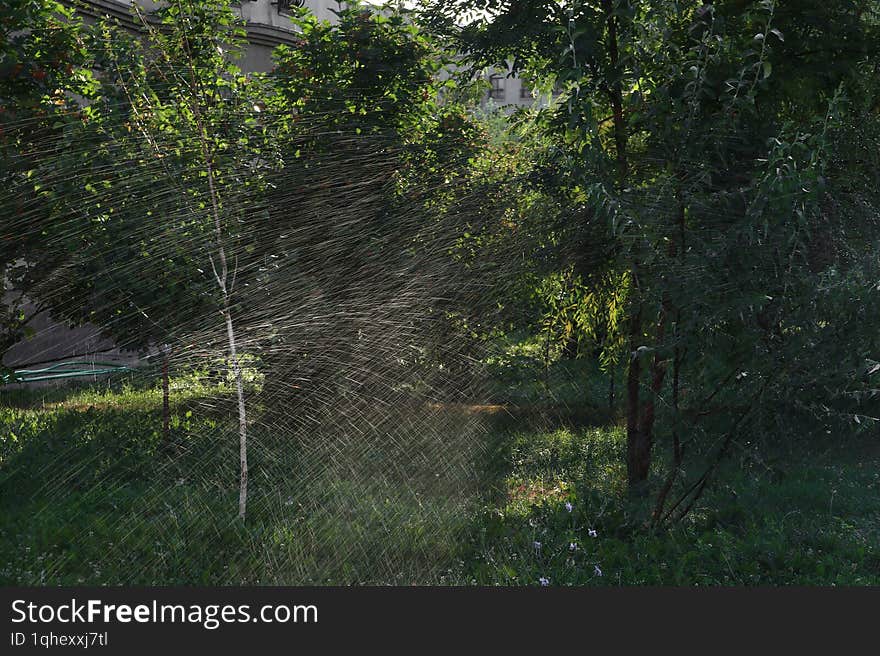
{"x":357,"y":244}
{"x":706,"y":177}
{"x":42,"y":55}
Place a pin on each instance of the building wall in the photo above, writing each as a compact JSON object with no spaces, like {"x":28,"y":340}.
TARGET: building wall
{"x":266,"y":12}
{"x":267,"y":26}
{"x":509,"y":93}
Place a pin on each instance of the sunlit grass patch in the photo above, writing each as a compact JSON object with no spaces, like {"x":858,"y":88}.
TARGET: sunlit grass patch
{"x":535,"y":492}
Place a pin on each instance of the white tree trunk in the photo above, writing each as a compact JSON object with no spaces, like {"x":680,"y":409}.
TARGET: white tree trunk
{"x":221,"y":275}
{"x":226,"y":290}
{"x":242,"y":416}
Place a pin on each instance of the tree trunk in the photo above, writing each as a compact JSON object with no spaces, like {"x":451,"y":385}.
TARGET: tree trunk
{"x":638,"y":425}
{"x":166,"y":406}
{"x":242,"y":416}
{"x":611,"y":390}
{"x":638,"y":442}
{"x":221,"y":277}
{"x":615,"y":91}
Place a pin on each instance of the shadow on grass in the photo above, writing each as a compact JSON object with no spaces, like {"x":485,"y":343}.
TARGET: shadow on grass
{"x":560,"y":513}
{"x":93,"y":497}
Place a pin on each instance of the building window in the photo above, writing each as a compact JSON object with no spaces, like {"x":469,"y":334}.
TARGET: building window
{"x":525,"y":91}
{"x":287,"y":5}
{"x":497,"y":90}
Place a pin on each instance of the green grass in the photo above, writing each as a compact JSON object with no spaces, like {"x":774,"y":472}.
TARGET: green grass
{"x":818,"y":523}
{"x":91,"y":494}
{"x":135,"y":390}
{"x":520,"y":375}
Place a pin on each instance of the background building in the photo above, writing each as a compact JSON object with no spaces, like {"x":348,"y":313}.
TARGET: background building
{"x":510,"y":92}
{"x":267,"y":21}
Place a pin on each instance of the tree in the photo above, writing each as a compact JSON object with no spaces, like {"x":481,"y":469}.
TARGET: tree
{"x":171,"y":154}
{"x":203,"y":192}
{"x":675,"y":139}
{"x":41,"y":65}
{"x":373,"y":164}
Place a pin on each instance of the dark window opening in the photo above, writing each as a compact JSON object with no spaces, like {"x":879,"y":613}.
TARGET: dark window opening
{"x":497,"y":90}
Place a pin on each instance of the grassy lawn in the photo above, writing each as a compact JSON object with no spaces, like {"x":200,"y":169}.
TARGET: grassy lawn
{"x":90,"y":494}
{"x":818,"y":522}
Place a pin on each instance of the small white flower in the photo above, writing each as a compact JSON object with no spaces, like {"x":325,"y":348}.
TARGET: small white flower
{"x":597,"y":570}
{"x":572,"y":546}
{"x":544,"y":580}
{"x":593,"y":533}
{"x":568,"y":506}
{"x":537,"y":546}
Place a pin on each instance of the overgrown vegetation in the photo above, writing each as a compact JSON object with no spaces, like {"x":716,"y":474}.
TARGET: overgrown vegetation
{"x":627,"y":337}
{"x":90,"y":496}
